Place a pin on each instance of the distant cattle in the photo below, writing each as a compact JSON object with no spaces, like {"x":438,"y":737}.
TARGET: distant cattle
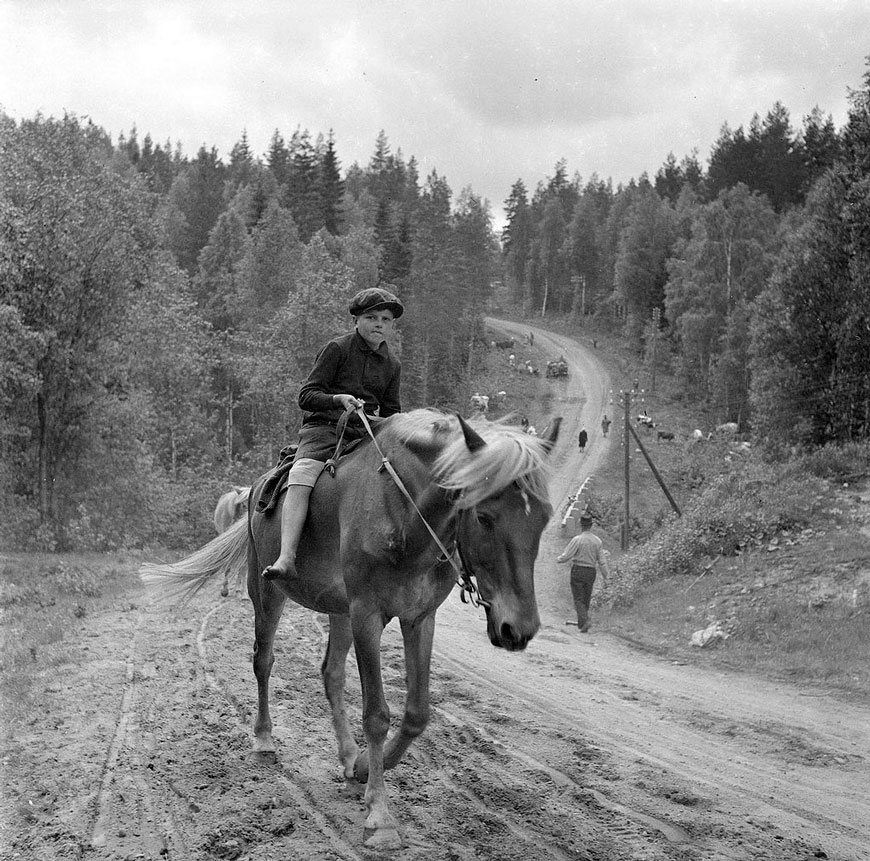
{"x":645,"y":421}
{"x":665,"y":435}
{"x":727,"y":429}
{"x":231,"y":506}
{"x":480,"y":403}
{"x":507,"y":344}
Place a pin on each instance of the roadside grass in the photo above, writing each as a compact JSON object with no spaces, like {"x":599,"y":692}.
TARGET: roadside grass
{"x":44,"y":599}
{"x":525,"y":394}
{"x":779,"y":623}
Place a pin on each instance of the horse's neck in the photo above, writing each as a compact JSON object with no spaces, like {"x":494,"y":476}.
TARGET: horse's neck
{"x":428,"y":502}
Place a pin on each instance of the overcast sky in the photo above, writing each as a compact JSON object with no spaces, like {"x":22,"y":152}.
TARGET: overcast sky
{"x":483,"y":91}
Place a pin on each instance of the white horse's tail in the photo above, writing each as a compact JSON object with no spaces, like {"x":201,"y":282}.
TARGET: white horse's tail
{"x":225,"y":555}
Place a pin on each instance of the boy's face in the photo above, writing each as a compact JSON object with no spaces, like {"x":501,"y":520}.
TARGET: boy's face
{"x":375,"y":326}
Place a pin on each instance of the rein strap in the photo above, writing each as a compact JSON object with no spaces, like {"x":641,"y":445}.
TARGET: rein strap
{"x":469,"y":592}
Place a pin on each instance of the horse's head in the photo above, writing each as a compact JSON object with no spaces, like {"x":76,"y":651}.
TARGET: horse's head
{"x":499,"y":527}
{"x":498,"y":540}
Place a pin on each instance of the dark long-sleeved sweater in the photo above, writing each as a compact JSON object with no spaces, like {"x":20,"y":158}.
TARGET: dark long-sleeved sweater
{"x":347,"y":365}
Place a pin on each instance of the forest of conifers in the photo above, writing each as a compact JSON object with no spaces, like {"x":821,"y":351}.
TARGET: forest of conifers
{"x":158,"y":311}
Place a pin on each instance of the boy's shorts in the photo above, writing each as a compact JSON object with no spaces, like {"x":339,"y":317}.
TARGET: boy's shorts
{"x":316,"y":446}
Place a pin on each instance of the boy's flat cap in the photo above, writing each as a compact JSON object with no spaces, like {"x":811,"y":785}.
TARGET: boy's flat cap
{"x":375,"y":299}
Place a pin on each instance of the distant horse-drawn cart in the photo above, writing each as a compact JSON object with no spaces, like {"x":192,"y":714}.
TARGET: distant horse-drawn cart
{"x":557,"y":368}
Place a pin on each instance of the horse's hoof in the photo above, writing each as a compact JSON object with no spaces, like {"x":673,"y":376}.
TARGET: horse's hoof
{"x":264,"y":751}
{"x":265,"y":757}
{"x":348,"y":762}
{"x":361,"y":768}
{"x":382,"y":838}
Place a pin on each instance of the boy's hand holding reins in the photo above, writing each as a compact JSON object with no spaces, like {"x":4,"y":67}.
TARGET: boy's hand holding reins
{"x":348,"y":402}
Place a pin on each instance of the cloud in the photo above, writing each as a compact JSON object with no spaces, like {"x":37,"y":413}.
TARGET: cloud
{"x":485,"y":92}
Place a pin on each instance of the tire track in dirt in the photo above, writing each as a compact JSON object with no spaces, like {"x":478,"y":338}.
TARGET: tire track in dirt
{"x":425,"y":770}
{"x":476,"y":776}
{"x":128,"y":812}
{"x":654,"y":746}
{"x":304,"y":792}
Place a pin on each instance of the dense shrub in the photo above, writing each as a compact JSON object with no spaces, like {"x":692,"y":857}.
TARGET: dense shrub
{"x":837,"y":461}
{"x":745,"y":507}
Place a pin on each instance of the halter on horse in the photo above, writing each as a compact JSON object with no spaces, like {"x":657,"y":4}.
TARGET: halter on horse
{"x":372,"y":550}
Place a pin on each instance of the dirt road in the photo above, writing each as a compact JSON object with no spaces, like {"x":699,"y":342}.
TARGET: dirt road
{"x":578,"y":748}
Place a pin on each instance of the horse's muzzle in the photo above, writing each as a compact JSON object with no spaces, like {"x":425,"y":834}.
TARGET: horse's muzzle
{"x":511,"y":636}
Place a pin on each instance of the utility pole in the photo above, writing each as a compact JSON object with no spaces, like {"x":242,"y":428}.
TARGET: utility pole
{"x":626,"y":397}
{"x":228,"y":429}
{"x":656,"y":316}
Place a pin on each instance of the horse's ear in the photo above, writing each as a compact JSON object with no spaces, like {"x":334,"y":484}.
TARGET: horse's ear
{"x":473,"y":439}
{"x":551,"y":433}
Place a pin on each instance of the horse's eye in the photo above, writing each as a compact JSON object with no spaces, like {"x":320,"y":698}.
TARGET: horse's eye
{"x":485,"y":521}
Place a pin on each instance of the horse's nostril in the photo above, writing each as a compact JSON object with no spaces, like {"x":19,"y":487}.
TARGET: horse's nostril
{"x":510,"y":639}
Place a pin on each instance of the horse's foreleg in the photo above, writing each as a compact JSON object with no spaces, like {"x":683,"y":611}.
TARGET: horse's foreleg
{"x":417,"y":635}
{"x":333,"y":672}
{"x":368,"y":627}
{"x":268,"y":604}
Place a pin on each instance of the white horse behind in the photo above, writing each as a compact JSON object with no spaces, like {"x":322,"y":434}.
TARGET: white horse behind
{"x":232,"y":506}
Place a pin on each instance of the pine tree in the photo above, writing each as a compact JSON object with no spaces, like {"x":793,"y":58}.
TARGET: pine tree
{"x":821,"y":146}
{"x":517,"y":241}
{"x":810,"y":350}
{"x":644,"y":247}
{"x":331,"y":188}
{"x":197,"y":195}
{"x":715,"y":274}
{"x":302,"y":195}
{"x":278,"y":159}
{"x":241,"y":169}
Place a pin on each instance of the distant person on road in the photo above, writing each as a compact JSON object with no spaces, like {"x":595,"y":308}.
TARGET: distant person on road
{"x":605,"y":425}
{"x":583,"y":438}
{"x":586,"y":554}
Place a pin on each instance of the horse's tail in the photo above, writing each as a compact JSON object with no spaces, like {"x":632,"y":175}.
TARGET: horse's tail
{"x":225,"y":555}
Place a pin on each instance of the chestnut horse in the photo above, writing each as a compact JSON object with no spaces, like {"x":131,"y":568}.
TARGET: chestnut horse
{"x":373,"y":549}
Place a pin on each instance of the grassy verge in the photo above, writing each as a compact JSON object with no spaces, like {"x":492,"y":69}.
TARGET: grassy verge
{"x":44,"y":602}
{"x":525,"y":394}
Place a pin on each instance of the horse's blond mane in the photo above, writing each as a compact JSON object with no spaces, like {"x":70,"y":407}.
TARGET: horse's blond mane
{"x":508,"y":456}
{"x":423,"y":426}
